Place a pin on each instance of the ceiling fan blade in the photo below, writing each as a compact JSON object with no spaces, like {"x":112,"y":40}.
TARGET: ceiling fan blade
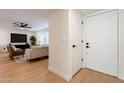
{"x":22,"y":25}
{"x":16,"y":24}
{"x":27,"y":27}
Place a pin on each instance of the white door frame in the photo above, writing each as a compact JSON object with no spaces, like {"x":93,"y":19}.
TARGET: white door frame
{"x":85,"y":30}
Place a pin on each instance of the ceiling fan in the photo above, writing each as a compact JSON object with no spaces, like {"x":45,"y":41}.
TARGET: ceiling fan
{"x":21,"y":25}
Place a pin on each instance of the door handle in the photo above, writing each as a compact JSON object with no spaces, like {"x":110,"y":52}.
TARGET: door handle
{"x":74,"y":46}
{"x":87,"y":46}
{"x":87,"y":43}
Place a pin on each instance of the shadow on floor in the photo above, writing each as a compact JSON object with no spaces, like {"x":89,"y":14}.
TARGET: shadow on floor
{"x":38,"y":59}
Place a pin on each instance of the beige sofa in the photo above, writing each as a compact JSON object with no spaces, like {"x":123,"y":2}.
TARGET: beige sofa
{"x":36,"y":52}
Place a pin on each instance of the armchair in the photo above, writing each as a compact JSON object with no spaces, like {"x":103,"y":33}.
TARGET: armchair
{"x":13,"y":52}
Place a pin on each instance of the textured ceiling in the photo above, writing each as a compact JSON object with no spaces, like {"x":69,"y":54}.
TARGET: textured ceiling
{"x":37,"y":19}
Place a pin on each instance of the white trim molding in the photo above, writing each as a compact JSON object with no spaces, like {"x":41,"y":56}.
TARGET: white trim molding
{"x":64,"y":76}
{"x":99,"y":12}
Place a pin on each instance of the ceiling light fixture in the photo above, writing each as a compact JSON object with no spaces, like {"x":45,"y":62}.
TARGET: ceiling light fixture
{"x":22,"y":28}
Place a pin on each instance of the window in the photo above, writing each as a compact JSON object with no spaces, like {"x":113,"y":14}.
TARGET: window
{"x":43,"y":38}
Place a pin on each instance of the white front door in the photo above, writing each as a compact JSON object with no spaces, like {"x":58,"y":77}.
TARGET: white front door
{"x":101,"y":42}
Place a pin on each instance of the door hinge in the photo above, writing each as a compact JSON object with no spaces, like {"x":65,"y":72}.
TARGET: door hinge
{"x":82,"y":59}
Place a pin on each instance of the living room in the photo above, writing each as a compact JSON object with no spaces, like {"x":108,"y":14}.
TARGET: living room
{"x":86,"y":46}
{"x":18,"y":27}
{"x":50,"y":45}
{"x":24,"y":42}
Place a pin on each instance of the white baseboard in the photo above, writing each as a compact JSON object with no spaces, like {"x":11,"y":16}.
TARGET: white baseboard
{"x":121,"y":77}
{"x":83,"y":66}
{"x":66,"y":77}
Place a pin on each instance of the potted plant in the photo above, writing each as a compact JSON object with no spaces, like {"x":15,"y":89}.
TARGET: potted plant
{"x":33,"y":40}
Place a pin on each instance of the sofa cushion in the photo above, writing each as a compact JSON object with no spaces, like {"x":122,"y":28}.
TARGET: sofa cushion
{"x":36,"y":52}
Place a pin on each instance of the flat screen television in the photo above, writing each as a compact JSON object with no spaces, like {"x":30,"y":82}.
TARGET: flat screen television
{"x":18,"y":38}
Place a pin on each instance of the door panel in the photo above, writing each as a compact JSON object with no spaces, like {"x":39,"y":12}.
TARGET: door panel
{"x":77,"y":37}
{"x":102,"y":38}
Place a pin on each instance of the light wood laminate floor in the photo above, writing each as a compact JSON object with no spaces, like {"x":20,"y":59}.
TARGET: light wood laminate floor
{"x":37,"y":71}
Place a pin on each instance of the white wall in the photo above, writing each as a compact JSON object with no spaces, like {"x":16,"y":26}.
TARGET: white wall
{"x":58,"y":44}
{"x":5,"y":35}
{"x":61,"y":24}
{"x":121,"y":44}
